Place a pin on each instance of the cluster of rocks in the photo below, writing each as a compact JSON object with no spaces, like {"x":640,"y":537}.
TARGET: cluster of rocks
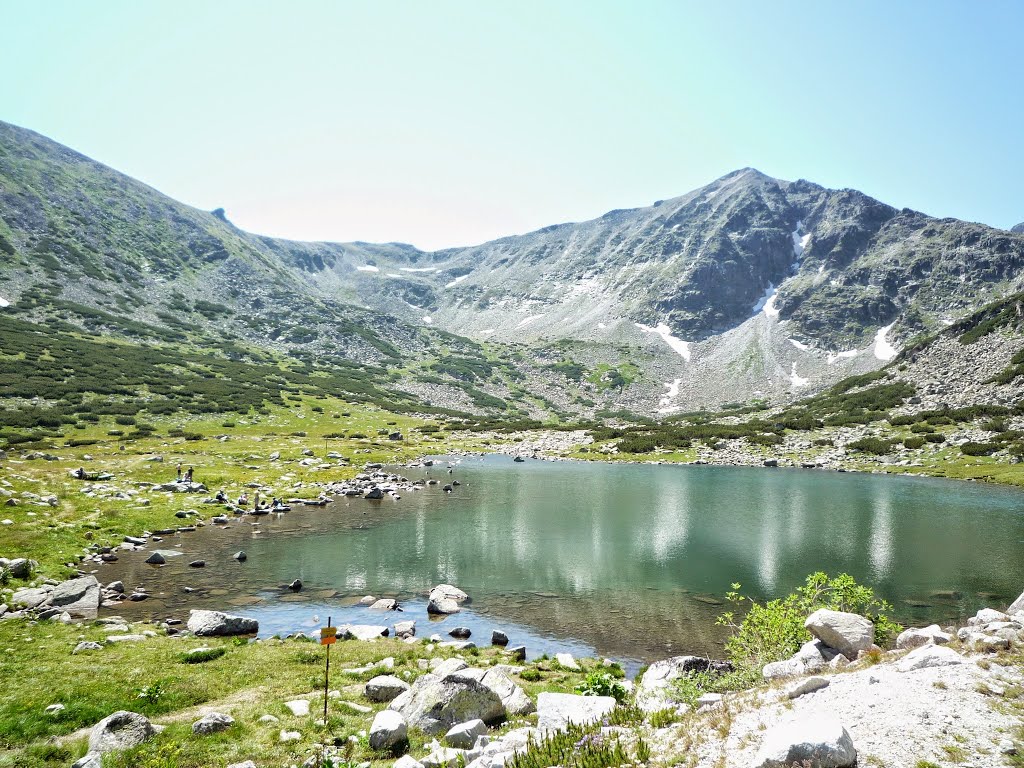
{"x":78,"y":598}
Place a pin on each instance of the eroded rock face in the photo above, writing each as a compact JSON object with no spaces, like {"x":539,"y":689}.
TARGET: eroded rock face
{"x":513,"y":698}
{"x":813,"y":656}
{"x":121,"y":730}
{"x":435,"y":704}
{"x":848,"y":633}
{"x":215,"y":623}
{"x":821,"y":741}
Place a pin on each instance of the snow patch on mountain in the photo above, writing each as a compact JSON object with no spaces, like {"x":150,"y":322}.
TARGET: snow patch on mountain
{"x":848,"y":353}
{"x":665,"y":403}
{"x":883,"y":349}
{"x":795,"y":380}
{"x":367,"y":268}
{"x":4,"y":302}
{"x":456,"y":281}
{"x":680,"y":347}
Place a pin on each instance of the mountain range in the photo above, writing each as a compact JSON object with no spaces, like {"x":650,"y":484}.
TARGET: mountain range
{"x":749,"y":288}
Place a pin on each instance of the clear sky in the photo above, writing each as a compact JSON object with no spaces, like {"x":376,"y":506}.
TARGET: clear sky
{"x":449,"y":123}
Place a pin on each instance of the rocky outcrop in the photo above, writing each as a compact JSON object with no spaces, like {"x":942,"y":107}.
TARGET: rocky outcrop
{"x":214,"y":722}
{"x":916,"y":637}
{"x":813,"y":656}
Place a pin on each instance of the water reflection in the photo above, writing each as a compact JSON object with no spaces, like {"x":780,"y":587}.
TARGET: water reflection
{"x":630,"y":560}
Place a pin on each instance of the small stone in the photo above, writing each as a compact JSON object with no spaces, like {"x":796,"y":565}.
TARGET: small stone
{"x":87,"y":646}
{"x":242,"y":557}
{"x":499,"y":638}
{"x":566,"y":660}
{"x":808,"y":685}
{"x":462,"y":633}
{"x":287,"y":736}
{"x":212,"y":723}
{"x":464,"y":735}
{"x":197,"y":564}
{"x":298,"y":707}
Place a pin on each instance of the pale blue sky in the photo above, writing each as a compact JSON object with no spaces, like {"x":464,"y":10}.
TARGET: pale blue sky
{"x":449,"y":123}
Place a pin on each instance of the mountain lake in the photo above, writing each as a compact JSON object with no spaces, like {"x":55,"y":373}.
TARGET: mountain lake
{"x":626,"y":561}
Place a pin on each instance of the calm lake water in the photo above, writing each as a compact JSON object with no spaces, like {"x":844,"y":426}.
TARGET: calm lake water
{"x":627,"y":561}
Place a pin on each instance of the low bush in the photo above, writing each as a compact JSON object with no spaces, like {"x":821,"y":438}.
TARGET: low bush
{"x":774,"y":630}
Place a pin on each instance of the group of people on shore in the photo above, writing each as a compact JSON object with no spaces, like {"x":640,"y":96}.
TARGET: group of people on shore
{"x":258,"y":505}
{"x":187,"y":478}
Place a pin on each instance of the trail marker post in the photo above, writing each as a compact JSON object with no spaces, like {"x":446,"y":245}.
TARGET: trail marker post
{"x":328,"y":637}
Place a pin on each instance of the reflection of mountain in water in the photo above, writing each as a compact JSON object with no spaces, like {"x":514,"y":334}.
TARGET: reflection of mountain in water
{"x":619,"y":556}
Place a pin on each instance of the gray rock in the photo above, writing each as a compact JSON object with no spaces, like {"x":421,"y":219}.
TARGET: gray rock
{"x":155,"y":559}
{"x":405,"y":629}
{"x":20,"y":567}
{"x":848,"y":633}
{"x":298,"y":707}
{"x":915,"y":638}
{"x":31,"y":597}
{"x":407,"y":761}
{"x":446,"y":599}
{"x":499,"y":638}
{"x":215,"y":623}
{"x":87,"y":646}
{"x":296,"y":585}
{"x":462,"y":633}
{"x":385,"y":688}
{"x":821,"y":741}
{"x":803,"y":687}
{"x":464,"y":735}
{"x":78,"y":597}
{"x":368,"y":600}
{"x":556,"y":711}
{"x":929,"y":656}
{"x":389,"y":731}
{"x":364,"y":632}
{"x":384,"y":604}
{"x":518,"y":653}
{"x":987,"y":616}
{"x":435,"y":704}
{"x":212,"y":723}
{"x":197,"y":564}
{"x":240,"y":557}
{"x":813,"y":656}
{"x":121,"y":730}
{"x":89,"y":760}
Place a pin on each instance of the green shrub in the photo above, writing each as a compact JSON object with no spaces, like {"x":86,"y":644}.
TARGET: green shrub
{"x":935,"y":437}
{"x":913,"y":442}
{"x":978,"y":449}
{"x":872,"y":445}
{"x":774,"y":630}
{"x":202,"y":655}
{"x":530,"y":674}
{"x":602,"y":684}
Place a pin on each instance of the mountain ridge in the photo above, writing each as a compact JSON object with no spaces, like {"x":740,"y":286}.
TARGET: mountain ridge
{"x":748,"y":287}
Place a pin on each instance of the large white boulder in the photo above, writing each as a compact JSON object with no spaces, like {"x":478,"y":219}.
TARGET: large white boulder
{"x":821,"y":741}
{"x":364,"y":631}
{"x":215,"y":623}
{"x":987,"y":616}
{"x":388,"y":731}
{"x":848,"y":633}
{"x":929,"y":656}
{"x":916,"y":637}
{"x":1017,"y":606}
{"x":435,"y":704}
{"x":555,"y":711}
